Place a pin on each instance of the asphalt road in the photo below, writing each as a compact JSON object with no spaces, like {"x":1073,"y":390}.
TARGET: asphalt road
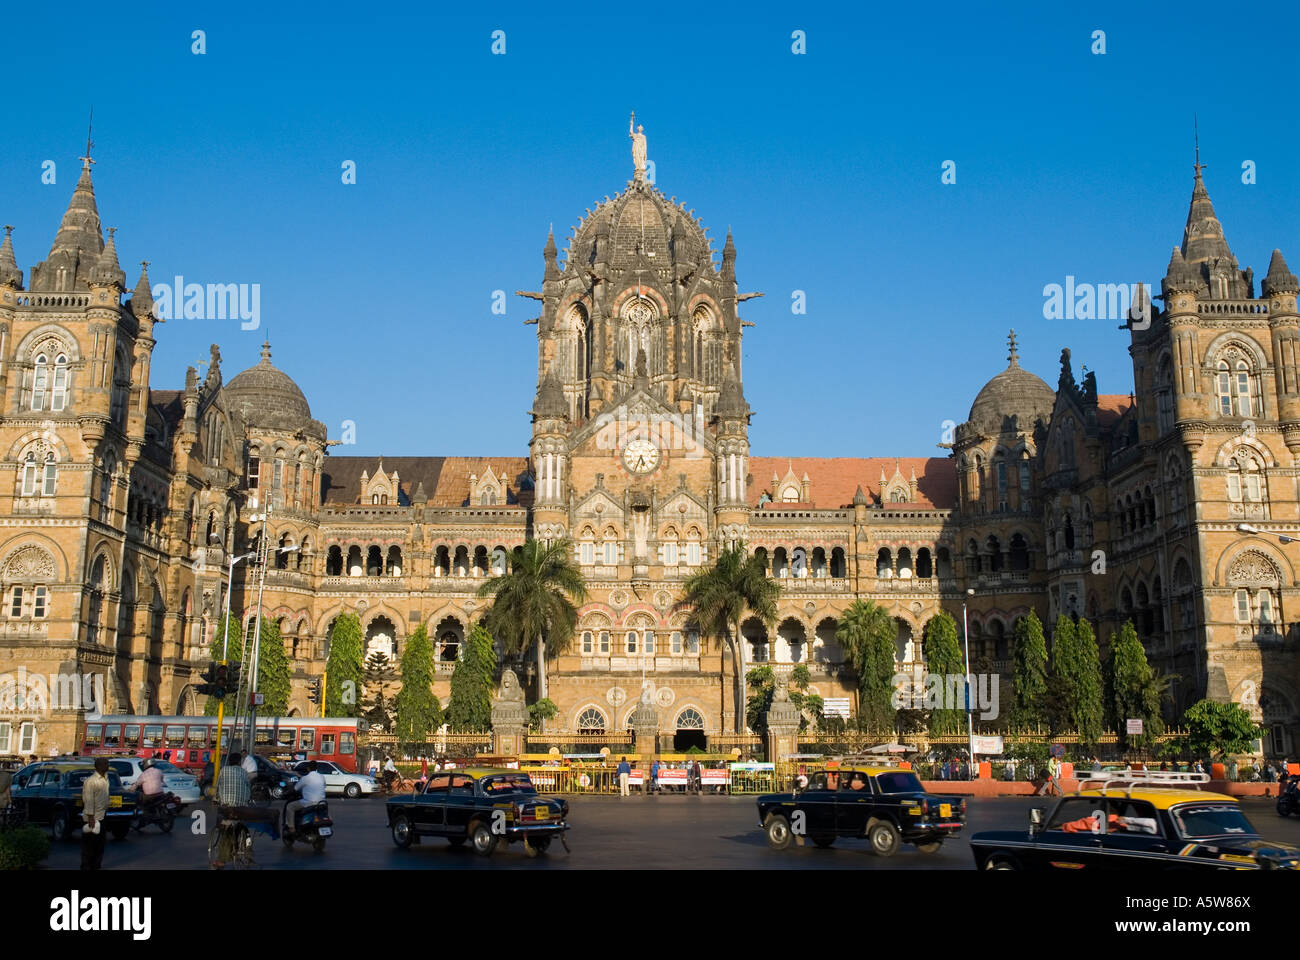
{"x":658,"y":832}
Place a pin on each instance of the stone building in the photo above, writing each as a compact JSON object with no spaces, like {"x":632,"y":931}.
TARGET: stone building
{"x":129,"y":502}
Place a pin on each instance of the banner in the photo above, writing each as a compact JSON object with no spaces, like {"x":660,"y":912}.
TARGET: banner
{"x":672,"y":778}
{"x":711,"y":777}
{"x":990,"y":746}
{"x":754,"y":767}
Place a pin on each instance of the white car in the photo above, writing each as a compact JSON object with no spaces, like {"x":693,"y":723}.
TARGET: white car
{"x":175,"y":780}
{"x":339,"y":781}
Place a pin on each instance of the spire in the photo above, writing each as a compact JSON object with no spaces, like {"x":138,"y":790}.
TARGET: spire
{"x":266,"y":355}
{"x":80,"y":229}
{"x":731,"y":399}
{"x":729,"y":256}
{"x":107,"y":269}
{"x":142,"y":297}
{"x":549,"y":253}
{"x":1280,"y":279}
{"x":550,"y":398}
{"x":9,"y":272}
{"x":859,"y":498}
{"x":1013,"y":358}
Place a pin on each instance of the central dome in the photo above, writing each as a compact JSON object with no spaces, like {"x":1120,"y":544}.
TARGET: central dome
{"x":1015,"y":392}
{"x":267,"y":396}
{"x":640,"y":220}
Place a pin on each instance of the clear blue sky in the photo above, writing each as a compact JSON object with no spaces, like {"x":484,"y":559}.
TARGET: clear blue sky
{"x":226,"y":168}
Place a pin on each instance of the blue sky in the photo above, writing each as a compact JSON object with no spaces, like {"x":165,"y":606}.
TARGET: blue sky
{"x":377,"y":296}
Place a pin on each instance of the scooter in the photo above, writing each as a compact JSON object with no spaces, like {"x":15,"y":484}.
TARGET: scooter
{"x":1288,"y":797}
{"x":162,"y":812}
{"x":311,"y":824}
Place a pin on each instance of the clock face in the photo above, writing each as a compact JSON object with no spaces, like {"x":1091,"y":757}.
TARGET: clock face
{"x":640,"y":456}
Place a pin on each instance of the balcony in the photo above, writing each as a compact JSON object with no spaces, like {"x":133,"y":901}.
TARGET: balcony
{"x":359,"y":584}
{"x":293,"y":579}
{"x":800,"y":585}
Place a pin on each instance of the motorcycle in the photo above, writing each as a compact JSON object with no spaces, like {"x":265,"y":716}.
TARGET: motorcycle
{"x":1288,"y":797}
{"x":162,"y":812}
{"x":311,"y":824}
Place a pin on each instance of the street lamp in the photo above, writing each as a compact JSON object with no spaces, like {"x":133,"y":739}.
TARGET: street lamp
{"x":970,"y":722}
{"x":1282,"y":537}
{"x":225,"y":654}
{"x":262,"y":554}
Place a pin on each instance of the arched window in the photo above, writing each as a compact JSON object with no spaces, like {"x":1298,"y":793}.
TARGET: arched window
{"x":1233,"y":384}
{"x":1000,"y":468}
{"x":1246,"y":479}
{"x":1165,"y":397}
{"x":591,"y":721}
{"x":40,"y":381}
{"x":51,"y":476}
{"x":690,"y":719}
{"x":884,"y":563}
{"x":488,"y":498}
{"x":29,"y":475}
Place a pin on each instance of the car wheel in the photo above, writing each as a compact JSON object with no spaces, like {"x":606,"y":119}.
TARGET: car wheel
{"x":1001,"y":863}
{"x":60,"y":826}
{"x":403,"y":831}
{"x":352,"y":791}
{"x":777,"y":827}
{"x":542,"y":845}
{"x":277,"y":792}
{"x":824,"y":842}
{"x":931,"y":847}
{"x":485,"y":841}
{"x":456,"y":841}
{"x":884,"y":838}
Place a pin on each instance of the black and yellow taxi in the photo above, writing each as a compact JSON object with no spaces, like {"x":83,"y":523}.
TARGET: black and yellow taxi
{"x":1135,"y":822}
{"x":49,"y":792}
{"x":486,"y":806}
{"x":886,"y":805}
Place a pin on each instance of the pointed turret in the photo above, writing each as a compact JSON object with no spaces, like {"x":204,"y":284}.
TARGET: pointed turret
{"x":549,"y":254}
{"x":1179,"y":277}
{"x":142,"y":297}
{"x":859,"y":498}
{"x":729,"y":258}
{"x":550,"y":398}
{"x":1206,"y":250}
{"x":731,"y":400}
{"x":420,"y":495}
{"x":1280,"y":279}
{"x":107,"y":269}
{"x":9,"y":272}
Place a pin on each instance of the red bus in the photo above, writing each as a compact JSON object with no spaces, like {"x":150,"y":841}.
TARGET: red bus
{"x":188,"y":741}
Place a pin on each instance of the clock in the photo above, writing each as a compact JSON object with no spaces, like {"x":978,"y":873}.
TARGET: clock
{"x":640,"y":456}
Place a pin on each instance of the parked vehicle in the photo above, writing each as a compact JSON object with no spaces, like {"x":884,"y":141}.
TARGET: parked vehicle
{"x":1136,"y":820}
{"x":49,"y":792}
{"x":485,"y":806}
{"x":886,"y":805}
{"x":340,"y":781}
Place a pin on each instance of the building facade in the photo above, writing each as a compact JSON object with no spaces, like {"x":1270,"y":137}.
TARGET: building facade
{"x":128,"y":502}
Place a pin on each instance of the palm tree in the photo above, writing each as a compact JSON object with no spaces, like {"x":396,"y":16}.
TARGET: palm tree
{"x":536,"y":601}
{"x":718,"y":598}
{"x":868,"y":634}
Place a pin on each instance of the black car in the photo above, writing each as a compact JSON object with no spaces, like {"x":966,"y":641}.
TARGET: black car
{"x":485,"y":806}
{"x":886,"y":805}
{"x":272,"y":781}
{"x":50,"y":792}
{"x":1134,"y":827}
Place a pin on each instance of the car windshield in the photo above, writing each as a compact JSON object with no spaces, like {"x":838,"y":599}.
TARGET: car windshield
{"x":76,"y":779}
{"x":1212,"y":820}
{"x":516,"y":783}
{"x":122,"y":767}
{"x":167,"y":767}
{"x":899,"y":782}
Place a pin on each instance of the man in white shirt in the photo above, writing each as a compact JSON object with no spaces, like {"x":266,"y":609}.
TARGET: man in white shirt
{"x":250,"y":767}
{"x":150,"y":783}
{"x":311,"y":789}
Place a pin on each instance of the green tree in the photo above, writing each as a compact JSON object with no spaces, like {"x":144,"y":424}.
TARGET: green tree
{"x":272,"y":672}
{"x":1219,"y":728}
{"x":761,"y":684}
{"x":541,"y":711}
{"x":1060,"y":700}
{"x":1089,"y":711}
{"x":868,"y":634}
{"x":377,"y":705}
{"x":943,"y":658}
{"x":228,"y":641}
{"x":343,"y":668}
{"x":1136,"y":693}
{"x":417,"y":711}
{"x":536,"y":602}
{"x":718,"y":598}
{"x":1029,"y":677}
{"x":470,"y":706}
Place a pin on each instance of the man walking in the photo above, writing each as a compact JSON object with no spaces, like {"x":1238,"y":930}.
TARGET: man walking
{"x":624,"y":770}
{"x":94,"y":807}
{"x":654,"y":776}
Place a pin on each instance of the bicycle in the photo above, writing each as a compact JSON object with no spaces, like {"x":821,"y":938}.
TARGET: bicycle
{"x":231,"y":844}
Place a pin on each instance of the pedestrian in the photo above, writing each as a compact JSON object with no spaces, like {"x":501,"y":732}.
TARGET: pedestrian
{"x":697,"y":776}
{"x":94,"y":807}
{"x":943,"y":772}
{"x":424,"y":769}
{"x":654,"y":775}
{"x":1232,"y":769}
{"x":1096,"y":764}
{"x":624,"y":770}
{"x":6,"y":780}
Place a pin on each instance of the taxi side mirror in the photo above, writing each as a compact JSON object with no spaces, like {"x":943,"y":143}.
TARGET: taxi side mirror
{"x":1035,"y":820}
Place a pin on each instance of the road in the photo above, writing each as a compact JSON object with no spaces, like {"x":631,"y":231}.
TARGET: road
{"x":658,"y":832}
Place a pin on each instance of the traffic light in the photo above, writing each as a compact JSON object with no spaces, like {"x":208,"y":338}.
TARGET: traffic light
{"x":315,"y":693}
{"x":212,"y":686}
{"x":232,"y":674}
{"x":223,"y":679}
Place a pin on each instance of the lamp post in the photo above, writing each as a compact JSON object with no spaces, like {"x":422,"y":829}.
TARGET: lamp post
{"x":263,"y":553}
{"x":1282,"y":537}
{"x":225,"y":657}
{"x":970,"y":722}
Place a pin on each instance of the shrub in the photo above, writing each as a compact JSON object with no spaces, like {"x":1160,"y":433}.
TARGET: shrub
{"x":22,"y":848}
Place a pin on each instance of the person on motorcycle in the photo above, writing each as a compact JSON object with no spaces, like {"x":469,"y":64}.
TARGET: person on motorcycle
{"x":311,"y":789}
{"x":390,"y":772}
{"x":234,"y":797}
{"x":150,"y":785}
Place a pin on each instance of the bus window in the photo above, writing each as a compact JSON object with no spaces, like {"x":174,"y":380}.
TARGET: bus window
{"x":225,"y":739}
{"x":262,"y":737}
{"x":347,"y":741}
{"x":113,"y":735}
{"x":175,"y":736}
{"x":152,"y":735}
{"x":131,"y":736}
{"x":308,"y":739}
{"x":93,"y":734}
{"x":284,"y":737}
{"x":199,"y":736}
{"x":326,"y":743}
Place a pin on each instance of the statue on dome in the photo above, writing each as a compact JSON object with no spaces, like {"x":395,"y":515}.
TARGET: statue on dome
{"x":638,"y":147}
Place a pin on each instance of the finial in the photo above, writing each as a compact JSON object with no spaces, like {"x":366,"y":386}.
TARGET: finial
{"x":1196,"y":135}
{"x":8,"y":230}
{"x":266,"y":350}
{"x":1014,"y":356}
{"x":86,"y":161}
{"x":144,"y":264}
{"x":111,"y":232}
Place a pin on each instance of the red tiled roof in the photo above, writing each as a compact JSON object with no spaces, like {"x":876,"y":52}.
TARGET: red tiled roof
{"x":1111,"y":407}
{"x":835,"y":480}
{"x":445,"y":479}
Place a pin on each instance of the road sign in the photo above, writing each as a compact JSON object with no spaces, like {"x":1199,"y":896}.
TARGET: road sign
{"x":259,"y":699}
{"x":1133,"y":726}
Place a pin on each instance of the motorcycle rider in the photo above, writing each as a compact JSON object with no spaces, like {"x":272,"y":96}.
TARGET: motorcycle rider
{"x":311,"y":789}
{"x":150,"y":785}
{"x":234,"y":797}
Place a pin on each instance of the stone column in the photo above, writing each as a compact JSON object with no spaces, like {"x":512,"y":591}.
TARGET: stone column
{"x":645,"y":725}
{"x":782,"y":724}
{"x":509,"y":717}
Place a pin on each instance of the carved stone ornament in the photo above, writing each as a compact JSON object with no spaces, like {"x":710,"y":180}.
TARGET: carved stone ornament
{"x":29,"y":563}
{"x":1253,"y":569}
{"x":616,"y":696}
{"x":665,"y":697}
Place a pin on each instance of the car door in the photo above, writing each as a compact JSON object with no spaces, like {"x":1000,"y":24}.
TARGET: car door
{"x":431,"y":806}
{"x":460,"y":804}
{"x":854,"y":804}
{"x":30,"y":794}
{"x":334,"y":780}
{"x":1134,"y":839}
{"x":817,"y":804}
{"x":1068,"y":840}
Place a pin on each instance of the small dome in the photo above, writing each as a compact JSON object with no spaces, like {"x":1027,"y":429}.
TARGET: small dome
{"x":267,"y":396}
{"x":1013,"y":392}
